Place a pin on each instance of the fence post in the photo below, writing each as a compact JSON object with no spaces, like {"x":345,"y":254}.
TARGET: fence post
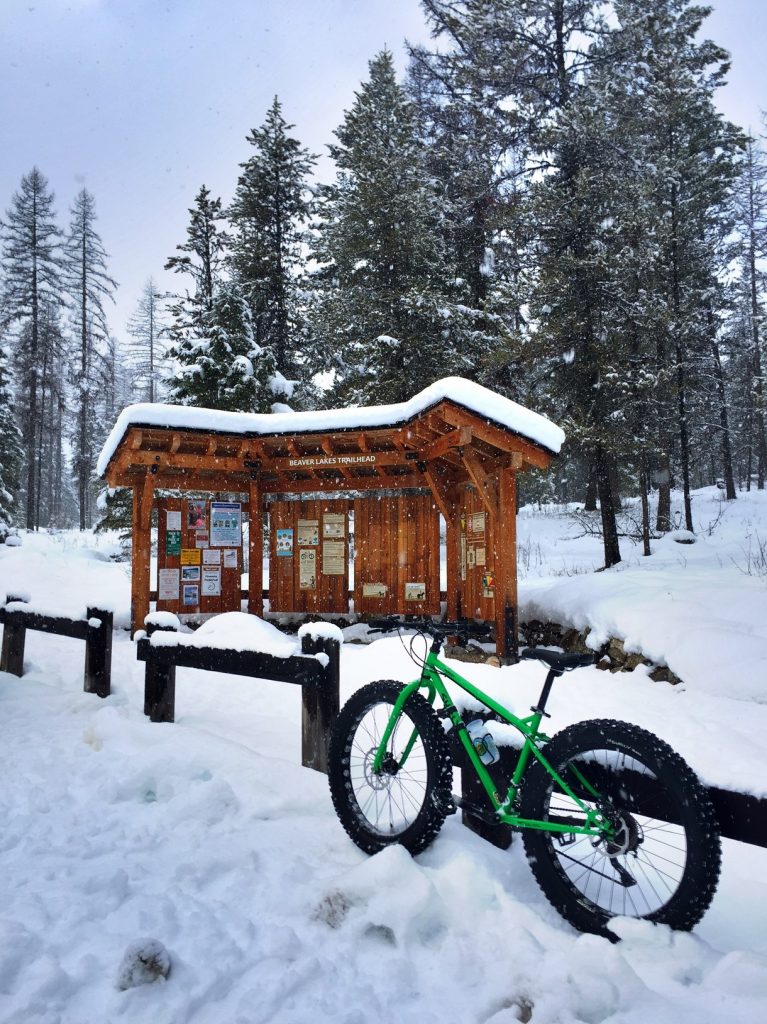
{"x":97,"y":677}
{"x":320,"y":704}
{"x":159,"y":682}
{"x":14,"y":638}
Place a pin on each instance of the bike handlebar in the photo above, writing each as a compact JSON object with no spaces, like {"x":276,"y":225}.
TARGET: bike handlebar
{"x":434,"y":629}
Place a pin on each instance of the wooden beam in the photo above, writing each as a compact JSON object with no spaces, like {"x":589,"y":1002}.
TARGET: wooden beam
{"x":372,"y":483}
{"x":457,"y":438}
{"x":141,"y":551}
{"x":444,"y":500}
{"x":484,"y":483}
{"x":255,"y":548}
{"x":504,"y":439}
{"x":505,"y":564}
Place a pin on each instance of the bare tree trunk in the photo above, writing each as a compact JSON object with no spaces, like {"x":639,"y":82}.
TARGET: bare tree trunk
{"x":643,"y":489}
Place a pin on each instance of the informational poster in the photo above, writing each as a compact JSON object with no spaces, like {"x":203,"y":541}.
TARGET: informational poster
{"x":211,"y":556}
{"x":333,"y":557}
{"x":334,"y":525}
{"x":230,"y":558}
{"x":488,"y":584}
{"x":211,"y":582}
{"x":173,"y":521}
{"x":173,"y":542}
{"x":195,"y":515}
{"x":191,"y":595}
{"x":168,"y":584}
{"x":374,"y":590}
{"x":463,"y":556}
{"x":308,"y":532}
{"x":190,"y":574}
{"x":201,"y":539}
{"x":471,"y":557}
{"x":307,"y":573}
{"x":225,"y":524}
{"x":415,"y":591}
{"x":476,"y":526}
{"x":190,"y":556}
{"x":285,"y":543}
{"x":479,"y":556}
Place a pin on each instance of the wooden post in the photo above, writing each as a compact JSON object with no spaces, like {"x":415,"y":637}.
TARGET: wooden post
{"x":255,"y":549}
{"x":141,"y":552}
{"x":14,"y":639}
{"x":452,"y":542}
{"x":98,"y":654}
{"x":505,"y":566}
{"x":159,"y":684}
{"x":320,"y":704}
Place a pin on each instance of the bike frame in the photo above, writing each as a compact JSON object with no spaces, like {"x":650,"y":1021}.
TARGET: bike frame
{"x":432,"y":682}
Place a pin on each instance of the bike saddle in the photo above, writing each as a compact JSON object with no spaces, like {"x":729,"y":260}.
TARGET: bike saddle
{"x":557,"y":661}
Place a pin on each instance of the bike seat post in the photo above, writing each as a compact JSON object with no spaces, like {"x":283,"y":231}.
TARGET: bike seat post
{"x":540,"y":708}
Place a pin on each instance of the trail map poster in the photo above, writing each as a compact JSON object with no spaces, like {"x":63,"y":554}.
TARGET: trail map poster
{"x":225,"y":524}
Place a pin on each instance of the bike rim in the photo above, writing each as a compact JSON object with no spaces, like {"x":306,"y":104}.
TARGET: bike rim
{"x":649,"y":850}
{"x":389,"y":802}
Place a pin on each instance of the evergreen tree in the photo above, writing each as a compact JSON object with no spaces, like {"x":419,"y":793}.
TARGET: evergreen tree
{"x":89,"y":287}
{"x":225,"y":368}
{"x":385,"y":320}
{"x":269,"y":212}
{"x":751,"y":227}
{"x":11,"y":452}
{"x":202,"y":261}
{"x":146,"y":354}
{"x":31,"y":290}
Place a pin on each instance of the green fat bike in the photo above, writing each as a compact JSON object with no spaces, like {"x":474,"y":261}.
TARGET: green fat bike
{"x":614,"y":821}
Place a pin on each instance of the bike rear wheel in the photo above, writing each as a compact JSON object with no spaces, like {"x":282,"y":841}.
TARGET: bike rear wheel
{"x":407,"y":800}
{"x":661,"y":862}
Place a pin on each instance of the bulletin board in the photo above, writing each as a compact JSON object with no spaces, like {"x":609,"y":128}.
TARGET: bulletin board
{"x":199,"y":556}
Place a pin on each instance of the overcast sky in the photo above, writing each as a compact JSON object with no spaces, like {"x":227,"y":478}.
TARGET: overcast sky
{"x":142,"y":101}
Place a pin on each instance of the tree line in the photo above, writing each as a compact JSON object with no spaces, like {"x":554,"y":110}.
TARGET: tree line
{"x":549,"y":202}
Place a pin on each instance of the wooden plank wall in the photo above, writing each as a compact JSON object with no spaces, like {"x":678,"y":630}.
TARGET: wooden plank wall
{"x":396,"y":543}
{"x":472,"y":543}
{"x":330,"y":593}
{"x":230,"y":598}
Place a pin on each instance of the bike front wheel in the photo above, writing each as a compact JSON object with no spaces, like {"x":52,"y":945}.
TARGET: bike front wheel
{"x":660,"y":859}
{"x":406,"y":801}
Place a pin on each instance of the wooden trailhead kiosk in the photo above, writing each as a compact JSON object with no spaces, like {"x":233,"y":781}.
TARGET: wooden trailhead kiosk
{"x":453,"y":450}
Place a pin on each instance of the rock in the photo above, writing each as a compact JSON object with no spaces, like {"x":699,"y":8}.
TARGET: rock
{"x":493,"y":660}
{"x":663,"y":674}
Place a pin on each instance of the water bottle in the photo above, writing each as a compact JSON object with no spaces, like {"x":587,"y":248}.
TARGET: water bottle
{"x":483,"y":742}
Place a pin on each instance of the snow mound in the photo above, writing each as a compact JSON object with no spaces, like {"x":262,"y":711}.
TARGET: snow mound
{"x":144,"y":962}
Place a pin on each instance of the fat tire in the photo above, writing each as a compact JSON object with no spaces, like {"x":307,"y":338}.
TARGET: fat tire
{"x":347,"y":787}
{"x":689,"y":803}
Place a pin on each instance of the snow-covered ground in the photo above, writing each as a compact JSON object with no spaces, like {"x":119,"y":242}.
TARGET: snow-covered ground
{"x":209,"y":837}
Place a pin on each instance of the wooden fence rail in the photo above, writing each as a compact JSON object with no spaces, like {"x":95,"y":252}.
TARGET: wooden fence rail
{"x":319,"y":683}
{"x":741,"y":816}
{"x":95,"y":630}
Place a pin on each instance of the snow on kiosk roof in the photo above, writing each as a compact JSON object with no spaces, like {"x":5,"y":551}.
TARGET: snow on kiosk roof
{"x":456,"y":443}
{"x":495,"y":407}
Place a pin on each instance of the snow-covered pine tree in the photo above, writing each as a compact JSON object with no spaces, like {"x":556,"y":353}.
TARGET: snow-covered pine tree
{"x":224,"y":367}
{"x":89,"y":287}
{"x":383,"y":318}
{"x":202,"y":261}
{"x":474,"y":148}
{"x":269,"y":212}
{"x":146,"y":352}
{"x":11,"y":453}
{"x":31,"y":291}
